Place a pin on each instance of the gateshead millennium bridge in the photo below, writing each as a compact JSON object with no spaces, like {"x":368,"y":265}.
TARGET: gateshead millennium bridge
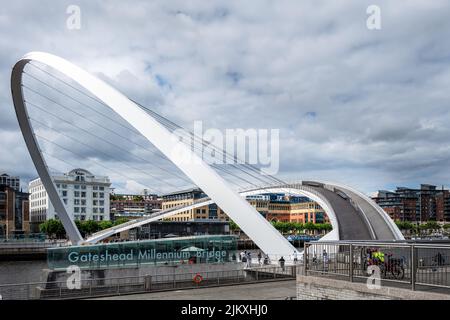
{"x":353,"y":215}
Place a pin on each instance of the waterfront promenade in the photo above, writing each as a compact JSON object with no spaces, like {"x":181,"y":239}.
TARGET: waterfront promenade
{"x":282,"y":290}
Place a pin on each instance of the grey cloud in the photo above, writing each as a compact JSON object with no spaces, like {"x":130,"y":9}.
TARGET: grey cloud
{"x":380,"y":98}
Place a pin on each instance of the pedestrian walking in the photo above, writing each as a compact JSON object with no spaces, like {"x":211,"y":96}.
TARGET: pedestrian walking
{"x":325,"y":260}
{"x":295,"y":257}
{"x":249,"y":259}
{"x":259,"y":257}
{"x":281,"y":261}
{"x":241,"y":256}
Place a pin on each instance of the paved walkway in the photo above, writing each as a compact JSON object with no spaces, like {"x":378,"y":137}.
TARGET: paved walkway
{"x":257,"y":291}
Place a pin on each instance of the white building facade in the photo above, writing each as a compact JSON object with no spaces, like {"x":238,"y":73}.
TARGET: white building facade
{"x":85,"y":196}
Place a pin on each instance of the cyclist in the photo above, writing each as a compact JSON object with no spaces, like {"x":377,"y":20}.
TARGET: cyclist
{"x":378,"y":257}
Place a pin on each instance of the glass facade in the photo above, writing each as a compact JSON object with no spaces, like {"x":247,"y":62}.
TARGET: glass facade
{"x":197,"y":249}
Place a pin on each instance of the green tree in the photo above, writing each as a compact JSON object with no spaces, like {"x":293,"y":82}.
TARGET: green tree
{"x":90,"y":226}
{"x":233,"y":226}
{"x":120,"y":221}
{"x":105,"y":224}
{"x":53,"y":229}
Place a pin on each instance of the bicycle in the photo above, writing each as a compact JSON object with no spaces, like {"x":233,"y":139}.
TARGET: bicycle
{"x":386,"y":264}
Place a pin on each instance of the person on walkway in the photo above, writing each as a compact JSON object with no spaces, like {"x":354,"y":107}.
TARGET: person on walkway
{"x":325,"y":260}
{"x":249,"y":259}
{"x":259,"y":257}
{"x":266,"y":259}
{"x":295,"y":257}
{"x":281,"y":261}
{"x":241,"y":256}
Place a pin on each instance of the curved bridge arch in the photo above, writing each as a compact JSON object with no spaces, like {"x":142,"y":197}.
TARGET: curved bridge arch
{"x":249,"y":220}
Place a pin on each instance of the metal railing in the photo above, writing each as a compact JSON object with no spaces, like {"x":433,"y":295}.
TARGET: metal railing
{"x":395,"y":263}
{"x":89,"y":288}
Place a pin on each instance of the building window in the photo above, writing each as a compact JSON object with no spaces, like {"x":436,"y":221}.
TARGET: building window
{"x":94,"y":194}
{"x":77,"y":186}
{"x":76,"y":193}
{"x":64,"y":193}
{"x":76,"y":209}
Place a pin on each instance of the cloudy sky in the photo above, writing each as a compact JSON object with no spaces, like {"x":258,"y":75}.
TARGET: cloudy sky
{"x":370,"y":108}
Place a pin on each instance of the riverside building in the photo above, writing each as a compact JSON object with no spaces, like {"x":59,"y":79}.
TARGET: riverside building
{"x":14,"y":212}
{"x":85,"y":196}
{"x":188,"y":197}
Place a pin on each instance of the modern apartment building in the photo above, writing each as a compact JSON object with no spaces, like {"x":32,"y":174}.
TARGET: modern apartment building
{"x":14,"y":212}
{"x":274,"y":207}
{"x":85,"y":196}
{"x":133,"y":205}
{"x":408,"y":204}
{"x":187,"y":197}
{"x":7,"y":180}
{"x":279,"y":207}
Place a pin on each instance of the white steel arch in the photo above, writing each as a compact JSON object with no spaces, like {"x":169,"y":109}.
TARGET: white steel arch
{"x":249,"y":220}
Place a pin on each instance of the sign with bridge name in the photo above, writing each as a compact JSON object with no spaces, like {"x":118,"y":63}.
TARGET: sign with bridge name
{"x":197,"y":249}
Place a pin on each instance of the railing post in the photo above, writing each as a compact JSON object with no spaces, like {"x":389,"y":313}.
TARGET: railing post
{"x":305,"y":259}
{"x":413,"y":267}
{"x":351,"y":262}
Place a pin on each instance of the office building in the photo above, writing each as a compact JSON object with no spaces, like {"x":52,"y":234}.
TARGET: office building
{"x":408,"y":204}
{"x":133,"y":205}
{"x":85,"y":196}
{"x":7,"y":180}
{"x":14,"y":212}
{"x":187,"y":197}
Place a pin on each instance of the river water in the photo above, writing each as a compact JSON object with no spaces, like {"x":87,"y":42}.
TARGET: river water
{"x":21,"y":271}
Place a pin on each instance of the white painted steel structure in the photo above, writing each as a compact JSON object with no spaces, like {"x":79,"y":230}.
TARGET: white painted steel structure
{"x":233,"y":203}
{"x":238,"y":209}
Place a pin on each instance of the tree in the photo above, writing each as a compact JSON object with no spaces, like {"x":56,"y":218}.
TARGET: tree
{"x":105,"y":224}
{"x":90,"y":226}
{"x":120,"y":221}
{"x":53,"y":228}
{"x":233,"y":226}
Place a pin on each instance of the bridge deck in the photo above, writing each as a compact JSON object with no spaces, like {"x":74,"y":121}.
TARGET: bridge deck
{"x":351,"y":224}
{"x":381,"y":229}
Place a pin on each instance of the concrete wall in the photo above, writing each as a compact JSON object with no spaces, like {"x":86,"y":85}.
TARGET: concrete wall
{"x":316,"y":288}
